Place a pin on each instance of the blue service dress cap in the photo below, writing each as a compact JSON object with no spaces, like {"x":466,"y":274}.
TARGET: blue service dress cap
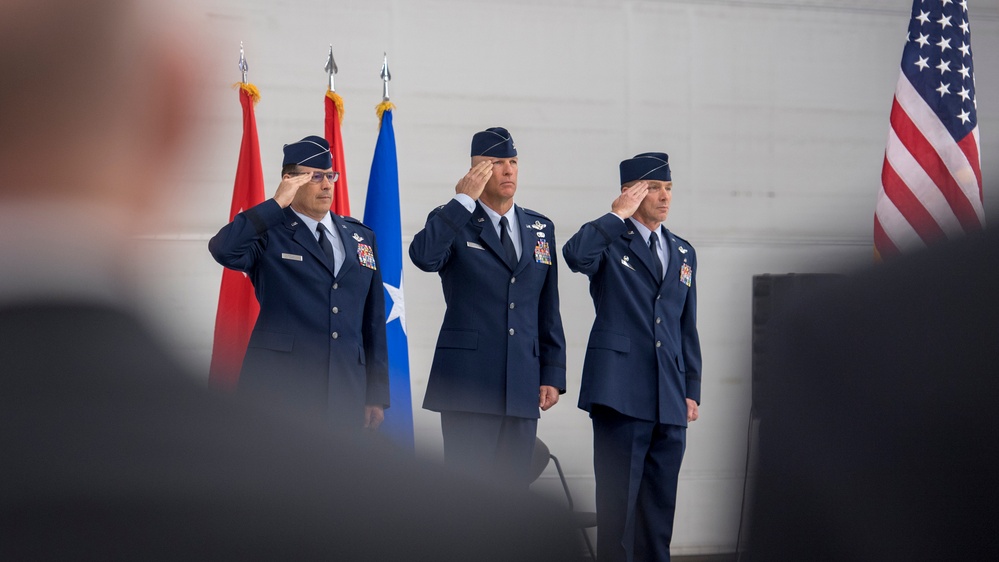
{"x":311,"y":151}
{"x":495,"y":142}
{"x":646,"y":166}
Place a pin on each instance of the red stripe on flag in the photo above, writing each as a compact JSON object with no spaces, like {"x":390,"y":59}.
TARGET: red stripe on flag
{"x":909,"y":206}
{"x":882,"y":243}
{"x":970,"y":149}
{"x":924,"y":153}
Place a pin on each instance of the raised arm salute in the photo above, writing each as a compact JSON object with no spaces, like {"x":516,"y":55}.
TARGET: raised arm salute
{"x":500,"y":355}
{"x":319,"y":341}
{"x":642,"y":371}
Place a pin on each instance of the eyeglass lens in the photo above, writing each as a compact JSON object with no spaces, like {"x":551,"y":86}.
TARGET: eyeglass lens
{"x":318,"y":176}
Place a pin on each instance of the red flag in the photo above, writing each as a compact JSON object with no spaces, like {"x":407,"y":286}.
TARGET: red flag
{"x":238,"y":306}
{"x":931,"y":180}
{"x":334,"y":114}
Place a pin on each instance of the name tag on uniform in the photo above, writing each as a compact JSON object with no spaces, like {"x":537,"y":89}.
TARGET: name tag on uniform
{"x":366,"y":256}
{"x":474,"y":245}
{"x":292,"y":257}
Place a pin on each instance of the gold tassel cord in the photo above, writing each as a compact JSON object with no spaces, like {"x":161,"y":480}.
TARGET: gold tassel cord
{"x":337,"y":101}
{"x":250,"y":90}
{"x":381,"y":108}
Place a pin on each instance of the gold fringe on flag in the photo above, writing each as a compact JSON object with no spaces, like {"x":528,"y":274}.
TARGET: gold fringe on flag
{"x":381,"y":108}
{"x":250,"y":90}
{"x":337,"y":101}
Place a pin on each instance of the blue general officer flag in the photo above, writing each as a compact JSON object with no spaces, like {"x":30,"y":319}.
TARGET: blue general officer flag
{"x":381,"y":213}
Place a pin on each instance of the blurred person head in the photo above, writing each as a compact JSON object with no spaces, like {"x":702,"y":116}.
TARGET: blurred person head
{"x":93,"y":103}
{"x":113,"y":451}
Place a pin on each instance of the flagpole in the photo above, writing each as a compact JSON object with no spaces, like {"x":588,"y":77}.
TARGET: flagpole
{"x":334,"y":117}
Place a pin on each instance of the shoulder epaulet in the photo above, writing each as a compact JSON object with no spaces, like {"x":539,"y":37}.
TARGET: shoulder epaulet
{"x":679,"y":238}
{"x":535,"y":213}
{"x":355,"y":221}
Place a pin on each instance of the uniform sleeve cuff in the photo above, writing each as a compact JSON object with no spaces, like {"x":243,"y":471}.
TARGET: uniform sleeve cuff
{"x":466,"y":201}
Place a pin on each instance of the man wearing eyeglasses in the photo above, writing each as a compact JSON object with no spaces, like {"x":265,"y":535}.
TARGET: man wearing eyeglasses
{"x":319,"y":342}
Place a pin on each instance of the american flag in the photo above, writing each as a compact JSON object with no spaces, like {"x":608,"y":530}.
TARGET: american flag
{"x":931,"y":181}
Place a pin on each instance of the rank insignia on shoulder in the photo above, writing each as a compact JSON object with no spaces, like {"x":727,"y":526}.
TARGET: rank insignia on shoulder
{"x":358,"y":237}
{"x":366,"y":256}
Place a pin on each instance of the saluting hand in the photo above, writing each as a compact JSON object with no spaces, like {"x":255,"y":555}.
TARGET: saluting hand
{"x":286,"y":191}
{"x":630,"y":199}
{"x":475,"y":180}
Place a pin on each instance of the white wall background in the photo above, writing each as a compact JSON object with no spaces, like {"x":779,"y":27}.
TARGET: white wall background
{"x":774,"y":113}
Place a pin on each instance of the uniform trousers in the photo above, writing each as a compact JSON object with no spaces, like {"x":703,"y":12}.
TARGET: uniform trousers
{"x":493,"y":447}
{"x":637,"y":466}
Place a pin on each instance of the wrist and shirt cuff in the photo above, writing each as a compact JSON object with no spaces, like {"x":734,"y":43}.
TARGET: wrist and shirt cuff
{"x":466,"y":201}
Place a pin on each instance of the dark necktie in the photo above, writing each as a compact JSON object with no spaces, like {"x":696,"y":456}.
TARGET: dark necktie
{"x":511,"y":252}
{"x":653,"y":240}
{"x":325,"y":244}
